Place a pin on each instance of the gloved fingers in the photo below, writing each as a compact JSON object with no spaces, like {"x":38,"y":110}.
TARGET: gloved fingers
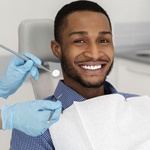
{"x":45,"y":122}
{"x":34,"y":73}
{"x":52,"y":105}
{"x":40,"y":123}
{"x":45,"y":114}
{"x":16,"y":61}
{"x":35,"y":59}
{"x":56,"y":115}
{"x":26,"y":67}
{"x":20,"y":64}
{"x":45,"y":108}
{"x":46,"y":105}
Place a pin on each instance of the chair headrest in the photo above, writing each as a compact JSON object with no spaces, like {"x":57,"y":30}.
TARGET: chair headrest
{"x":35,"y":36}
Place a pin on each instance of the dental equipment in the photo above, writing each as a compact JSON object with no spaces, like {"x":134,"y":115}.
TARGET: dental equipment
{"x":55,"y":73}
{"x":52,"y":112}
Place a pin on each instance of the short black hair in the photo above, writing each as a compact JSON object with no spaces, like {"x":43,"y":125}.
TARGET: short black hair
{"x":81,"y":5}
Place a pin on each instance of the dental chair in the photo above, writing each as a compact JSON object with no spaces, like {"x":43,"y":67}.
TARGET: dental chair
{"x":35,"y":36}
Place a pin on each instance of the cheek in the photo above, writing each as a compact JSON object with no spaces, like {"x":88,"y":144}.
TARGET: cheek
{"x":71,"y":54}
{"x":67,"y":57}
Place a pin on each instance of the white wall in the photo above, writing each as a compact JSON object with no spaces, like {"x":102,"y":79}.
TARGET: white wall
{"x":13,"y":12}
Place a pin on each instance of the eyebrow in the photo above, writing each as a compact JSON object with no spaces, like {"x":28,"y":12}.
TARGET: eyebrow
{"x":105,"y":32}
{"x":86,"y":33}
{"x":78,"y":32}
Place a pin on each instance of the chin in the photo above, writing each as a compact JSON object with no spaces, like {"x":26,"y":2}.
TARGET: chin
{"x":92,"y":85}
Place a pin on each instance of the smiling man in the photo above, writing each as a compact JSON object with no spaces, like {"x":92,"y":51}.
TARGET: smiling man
{"x":83,"y":43}
{"x":86,"y":52}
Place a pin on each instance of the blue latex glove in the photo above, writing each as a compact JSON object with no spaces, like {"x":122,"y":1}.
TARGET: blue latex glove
{"x":30,"y":117}
{"x":17,"y":72}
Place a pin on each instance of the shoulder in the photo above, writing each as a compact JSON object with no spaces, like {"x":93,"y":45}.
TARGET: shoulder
{"x":110,"y":89}
{"x":128,"y":95}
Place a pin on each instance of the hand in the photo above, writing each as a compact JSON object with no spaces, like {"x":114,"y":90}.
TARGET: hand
{"x":30,"y":117}
{"x":17,"y":72}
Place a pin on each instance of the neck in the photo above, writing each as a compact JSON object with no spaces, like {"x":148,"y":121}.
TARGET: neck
{"x":84,"y":91}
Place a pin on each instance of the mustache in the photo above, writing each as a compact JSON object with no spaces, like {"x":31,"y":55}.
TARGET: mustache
{"x":93,"y":60}
{"x":102,"y":58}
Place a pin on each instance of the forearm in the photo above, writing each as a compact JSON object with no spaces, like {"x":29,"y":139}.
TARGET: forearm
{"x":0,"y":120}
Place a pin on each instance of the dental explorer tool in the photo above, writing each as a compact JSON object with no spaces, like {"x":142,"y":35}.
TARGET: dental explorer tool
{"x":55,"y":73}
{"x":52,"y":112}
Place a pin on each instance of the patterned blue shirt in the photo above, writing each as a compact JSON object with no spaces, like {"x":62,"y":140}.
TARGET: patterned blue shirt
{"x":21,"y":141}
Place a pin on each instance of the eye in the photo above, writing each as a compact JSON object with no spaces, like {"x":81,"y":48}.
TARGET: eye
{"x":79,"y":41}
{"x":104,"y":41}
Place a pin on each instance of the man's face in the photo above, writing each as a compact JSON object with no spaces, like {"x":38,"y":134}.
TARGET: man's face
{"x":87,"y":51}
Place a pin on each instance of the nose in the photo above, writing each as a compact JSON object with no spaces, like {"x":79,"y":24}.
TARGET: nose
{"x":93,"y":51}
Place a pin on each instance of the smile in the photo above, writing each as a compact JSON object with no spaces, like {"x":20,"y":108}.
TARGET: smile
{"x":92,"y":67}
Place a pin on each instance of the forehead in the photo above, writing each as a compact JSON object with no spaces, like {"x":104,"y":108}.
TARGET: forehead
{"x":82,"y":20}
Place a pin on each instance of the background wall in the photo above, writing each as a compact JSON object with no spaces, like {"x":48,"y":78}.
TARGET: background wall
{"x":13,"y":12}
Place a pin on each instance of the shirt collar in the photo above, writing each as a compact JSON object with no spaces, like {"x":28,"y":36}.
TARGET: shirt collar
{"x":67,"y":95}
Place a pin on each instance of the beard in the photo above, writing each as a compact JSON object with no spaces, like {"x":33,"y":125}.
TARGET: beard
{"x":73,"y":74}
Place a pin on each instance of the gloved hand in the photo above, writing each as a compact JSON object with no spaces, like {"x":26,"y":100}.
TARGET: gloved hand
{"x":17,"y":72}
{"x":30,"y":117}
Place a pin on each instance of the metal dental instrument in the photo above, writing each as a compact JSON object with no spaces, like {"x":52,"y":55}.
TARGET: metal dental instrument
{"x":55,"y":73}
{"x":52,"y":112}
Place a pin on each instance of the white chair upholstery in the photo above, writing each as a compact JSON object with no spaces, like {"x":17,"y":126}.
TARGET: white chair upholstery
{"x":34,"y":36}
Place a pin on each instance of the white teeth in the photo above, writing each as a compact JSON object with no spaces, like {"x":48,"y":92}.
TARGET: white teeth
{"x":92,"y":67}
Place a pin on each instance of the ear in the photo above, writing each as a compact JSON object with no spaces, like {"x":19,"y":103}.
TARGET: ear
{"x":56,"y":49}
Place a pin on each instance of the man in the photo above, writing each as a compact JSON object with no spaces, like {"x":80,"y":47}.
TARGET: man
{"x":29,"y":117}
{"x":84,"y":45}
